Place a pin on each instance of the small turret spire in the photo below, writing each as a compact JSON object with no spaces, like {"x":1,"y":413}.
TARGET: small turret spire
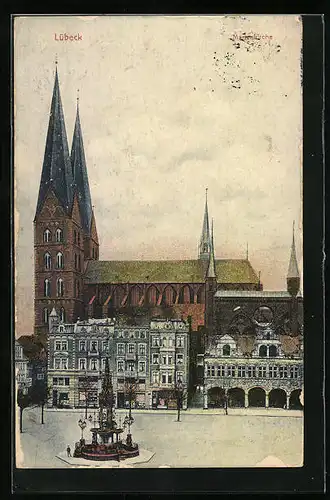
{"x":293,"y":271}
{"x":205,"y":241}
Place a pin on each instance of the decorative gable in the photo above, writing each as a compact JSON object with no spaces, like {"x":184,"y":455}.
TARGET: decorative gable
{"x":75,"y":211}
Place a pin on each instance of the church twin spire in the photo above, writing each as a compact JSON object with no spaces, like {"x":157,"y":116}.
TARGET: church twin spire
{"x":63,"y":173}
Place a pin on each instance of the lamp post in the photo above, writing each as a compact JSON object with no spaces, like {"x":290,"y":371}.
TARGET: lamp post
{"x":82,"y":424}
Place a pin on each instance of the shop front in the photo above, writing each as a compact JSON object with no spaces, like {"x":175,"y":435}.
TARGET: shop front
{"x":163,"y":400}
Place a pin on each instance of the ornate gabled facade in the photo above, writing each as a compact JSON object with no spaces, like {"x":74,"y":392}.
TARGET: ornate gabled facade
{"x":68,"y":273}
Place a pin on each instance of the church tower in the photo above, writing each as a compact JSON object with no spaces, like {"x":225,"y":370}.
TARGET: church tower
{"x":204,"y":251}
{"x":60,"y":224}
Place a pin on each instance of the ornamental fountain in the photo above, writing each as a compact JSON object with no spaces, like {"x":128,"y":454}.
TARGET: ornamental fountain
{"x":106,"y":443}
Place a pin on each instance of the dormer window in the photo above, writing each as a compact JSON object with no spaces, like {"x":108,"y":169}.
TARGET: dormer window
{"x":47,"y":236}
{"x":226,"y":350}
{"x":59,"y":235}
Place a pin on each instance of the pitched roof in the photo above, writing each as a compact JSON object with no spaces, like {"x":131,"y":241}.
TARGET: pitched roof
{"x":254,"y":293}
{"x":168,"y":271}
{"x":56,"y":170}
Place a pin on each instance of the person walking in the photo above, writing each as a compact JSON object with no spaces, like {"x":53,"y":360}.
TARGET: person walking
{"x":68,"y":451}
{"x":226,"y":405}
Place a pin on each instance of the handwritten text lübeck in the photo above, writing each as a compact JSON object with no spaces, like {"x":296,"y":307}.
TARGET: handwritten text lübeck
{"x":65,"y":37}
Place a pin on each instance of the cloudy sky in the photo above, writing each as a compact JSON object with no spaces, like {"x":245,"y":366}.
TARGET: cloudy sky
{"x":169,"y":106}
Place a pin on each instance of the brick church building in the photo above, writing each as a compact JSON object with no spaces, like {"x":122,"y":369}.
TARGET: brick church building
{"x":70,"y":276}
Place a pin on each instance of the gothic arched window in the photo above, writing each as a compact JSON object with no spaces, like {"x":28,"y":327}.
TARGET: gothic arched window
{"x":59,"y":260}
{"x":60,"y":287}
{"x":263,"y":351}
{"x":47,"y":260}
{"x":46,"y":315}
{"x":75,"y":261}
{"x":62,"y":314}
{"x":47,"y":288}
{"x":59,"y":235}
{"x":47,"y":236}
{"x":272,"y":351}
{"x":226,"y":350}
{"x":79,"y":263}
{"x":78,"y":288}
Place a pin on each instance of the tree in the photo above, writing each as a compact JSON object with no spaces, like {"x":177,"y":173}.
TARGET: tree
{"x":179,"y":394}
{"x":23,"y":401}
{"x":40,"y":394}
{"x":86,"y":384}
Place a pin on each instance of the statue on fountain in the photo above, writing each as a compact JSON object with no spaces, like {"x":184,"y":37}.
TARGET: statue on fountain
{"x":106,"y":443}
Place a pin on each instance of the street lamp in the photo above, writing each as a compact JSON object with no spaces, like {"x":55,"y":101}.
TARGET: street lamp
{"x":82,"y":424}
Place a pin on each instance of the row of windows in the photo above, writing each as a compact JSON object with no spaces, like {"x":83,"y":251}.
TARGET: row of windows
{"x":61,"y":381}
{"x":243,"y":371}
{"x":59,"y":261}
{"x":264,"y":351}
{"x":165,"y":377}
{"x":58,"y":236}
{"x":46,"y":313}
{"x":61,"y":345}
{"x":132,"y":334}
{"x":166,"y":359}
{"x":59,"y":287}
{"x":167,"y":342}
{"x":130,"y":366}
{"x":93,"y":345}
{"x":131,"y":349}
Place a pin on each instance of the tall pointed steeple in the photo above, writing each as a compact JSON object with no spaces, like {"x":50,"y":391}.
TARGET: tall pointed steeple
{"x":80,"y":176}
{"x":293,"y":277}
{"x":56,"y":170}
{"x":211,"y":273}
{"x":205,"y":241}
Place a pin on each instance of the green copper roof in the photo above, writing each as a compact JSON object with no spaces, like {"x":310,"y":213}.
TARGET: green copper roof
{"x":168,"y":271}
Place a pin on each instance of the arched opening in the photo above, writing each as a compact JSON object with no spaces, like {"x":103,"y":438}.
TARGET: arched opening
{"x":226,"y":350}
{"x":47,"y":288}
{"x":47,"y":236}
{"x":152,"y":295}
{"x":59,"y":287}
{"x":169,"y":296}
{"x":60,"y":260}
{"x":257,"y":397}
{"x":263,"y":351}
{"x":236,"y":397}
{"x":135,"y":295}
{"x":62,"y":315}
{"x":46,"y":315}
{"x":272,"y":351}
{"x":216,"y":397}
{"x":277,"y":398}
{"x":47,"y":260}
{"x":186,"y":295}
{"x":59,"y":235}
{"x":294,"y":402}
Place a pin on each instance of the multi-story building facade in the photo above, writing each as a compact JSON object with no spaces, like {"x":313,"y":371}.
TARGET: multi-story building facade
{"x":268,"y":373}
{"x":77,"y":353}
{"x":169,"y":361}
{"x":30,"y":362}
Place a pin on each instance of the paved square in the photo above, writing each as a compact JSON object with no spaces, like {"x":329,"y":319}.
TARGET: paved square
{"x":200,"y":440}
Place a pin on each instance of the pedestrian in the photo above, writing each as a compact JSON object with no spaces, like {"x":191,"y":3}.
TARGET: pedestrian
{"x":68,"y":451}
{"x":226,"y":406}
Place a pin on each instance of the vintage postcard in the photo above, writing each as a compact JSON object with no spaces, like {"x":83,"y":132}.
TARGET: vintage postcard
{"x":158,"y":241}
